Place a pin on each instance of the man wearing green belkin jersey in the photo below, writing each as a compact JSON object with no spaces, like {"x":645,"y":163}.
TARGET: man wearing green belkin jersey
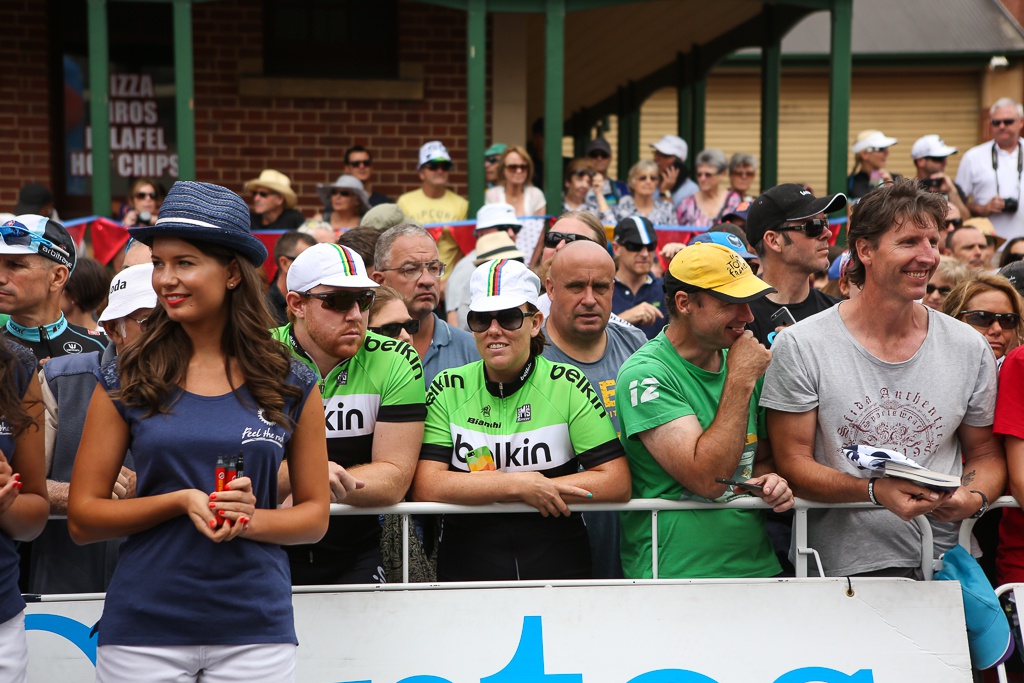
{"x":374,"y":407}
{"x":688,"y":415}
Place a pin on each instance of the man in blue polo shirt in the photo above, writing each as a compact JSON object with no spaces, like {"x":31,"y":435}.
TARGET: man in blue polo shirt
{"x":637,"y":296}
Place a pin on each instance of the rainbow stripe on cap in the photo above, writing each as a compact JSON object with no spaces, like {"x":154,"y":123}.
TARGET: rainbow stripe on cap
{"x":494,"y":277}
{"x":348,"y":264}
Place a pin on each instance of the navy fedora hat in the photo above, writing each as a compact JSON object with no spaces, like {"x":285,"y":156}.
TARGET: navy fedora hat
{"x":204,"y":212}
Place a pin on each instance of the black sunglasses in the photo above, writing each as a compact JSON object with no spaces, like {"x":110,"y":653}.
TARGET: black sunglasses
{"x":145,"y":195}
{"x":812,"y":228}
{"x":636,"y":246}
{"x":439,"y":166}
{"x":986,"y":318}
{"x":343,"y":301}
{"x":954,"y":223}
{"x":361,"y":162}
{"x":510,"y":319}
{"x":931,"y":289}
{"x":552,"y":239}
{"x":996,"y":123}
{"x":1012,"y":258}
{"x":412,"y":326}
{"x":599,"y":155}
{"x":341,"y":193}
{"x":491,"y":160}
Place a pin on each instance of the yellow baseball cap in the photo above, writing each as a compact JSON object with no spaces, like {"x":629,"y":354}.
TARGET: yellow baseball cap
{"x":717,"y":270}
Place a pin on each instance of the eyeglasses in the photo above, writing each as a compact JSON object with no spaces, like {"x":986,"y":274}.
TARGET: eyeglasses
{"x":742,"y":174}
{"x":646,"y":177}
{"x":581,"y":173}
{"x":552,"y":239}
{"x":986,"y":318}
{"x":341,"y":193}
{"x":412,"y":326}
{"x":145,"y":195}
{"x":705,"y":174}
{"x":343,"y":301}
{"x":360,"y":163}
{"x":999,"y":123}
{"x":510,"y":319}
{"x":439,"y":166}
{"x":413,"y":271}
{"x":954,"y":223}
{"x":599,"y":155}
{"x":516,"y":168}
{"x":943,"y":291}
{"x":812,"y":228}
{"x":140,"y":322}
{"x":636,"y":246}
{"x":491,"y":160}
{"x":262,"y":193}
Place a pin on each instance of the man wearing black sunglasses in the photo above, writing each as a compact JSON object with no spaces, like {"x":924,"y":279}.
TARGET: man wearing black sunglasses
{"x":638,"y":295}
{"x":991,"y":173}
{"x":434,"y":203}
{"x":788,"y":228}
{"x":373,"y":396}
{"x":359,"y":163}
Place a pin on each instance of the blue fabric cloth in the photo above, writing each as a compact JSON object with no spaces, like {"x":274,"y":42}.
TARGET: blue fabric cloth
{"x":23,"y":367}
{"x":172,"y":585}
{"x":449,"y":348}
{"x":652,"y":291}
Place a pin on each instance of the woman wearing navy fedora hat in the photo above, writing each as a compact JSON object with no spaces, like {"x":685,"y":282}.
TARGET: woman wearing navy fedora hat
{"x":202,"y":587}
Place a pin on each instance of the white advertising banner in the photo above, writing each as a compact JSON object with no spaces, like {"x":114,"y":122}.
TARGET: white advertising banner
{"x":797,"y":631}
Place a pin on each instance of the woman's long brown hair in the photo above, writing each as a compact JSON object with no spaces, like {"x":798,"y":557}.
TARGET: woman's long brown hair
{"x":11,"y":410}
{"x":154,"y":367}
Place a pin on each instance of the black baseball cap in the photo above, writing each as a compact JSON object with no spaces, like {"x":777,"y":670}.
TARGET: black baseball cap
{"x":635,"y":229}
{"x":787,"y":202}
{"x":1014,"y":272}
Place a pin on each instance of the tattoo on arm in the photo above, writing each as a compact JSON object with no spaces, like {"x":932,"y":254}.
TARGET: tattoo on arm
{"x":968,"y":478}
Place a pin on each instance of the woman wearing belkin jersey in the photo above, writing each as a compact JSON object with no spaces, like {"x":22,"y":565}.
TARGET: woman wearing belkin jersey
{"x":202,"y":589}
{"x":515,"y":427}
{"x":23,"y":502}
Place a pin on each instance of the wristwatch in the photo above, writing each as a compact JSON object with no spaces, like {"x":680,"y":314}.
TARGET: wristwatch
{"x":984,"y":505}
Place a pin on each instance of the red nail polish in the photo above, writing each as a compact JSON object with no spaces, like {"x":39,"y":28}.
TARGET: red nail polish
{"x":213,"y":496}
{"x":245,"y":521}
{"x":16,"y":477}
{"x":213,"y":524}
{"x":17,"y":485}
{"x":220,"y":513}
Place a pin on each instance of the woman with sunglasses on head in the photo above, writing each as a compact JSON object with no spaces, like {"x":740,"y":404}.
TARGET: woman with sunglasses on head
{"x":991,"y":305}
{"x":713,"y":200}
{"x":345,"y":201}
{"x":515,"y":187}
{"x":204,"y":389}
{"x":645,"y":199}
{"x":948,"y":274}
{"x":24,"y":504}
{"x":515,"y":427}
{"x":580,"y":178}
{"x":141,"y":205}
{"x":742,"y":169}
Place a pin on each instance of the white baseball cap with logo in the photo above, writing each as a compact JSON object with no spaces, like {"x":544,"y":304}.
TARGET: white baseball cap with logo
{"x":672,"y":146}
{"x":328,"y":264}
{"x":930,"y":146}
{"x":130,"y":290}
{"x":502,"y":284}
{"x":434,"y":151}
{"x":496,"y":216}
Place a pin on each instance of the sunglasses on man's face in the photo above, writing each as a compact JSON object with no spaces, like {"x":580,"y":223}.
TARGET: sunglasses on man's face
{"x":412,"y":326}
{"x":636,"y":246}
{"x":360,"y":162}
{"x":490,"y":161}
{"x":812,"y":228}
{"x":439,"y":166}
{"x":599,"y":155}
{"x":943,"y":291}
{"x":343,"y":301}
{"x":510,"y":319}
{"x":552,"y":239}
{"x":998,"y":123}
{"x":986,"y":318}
{"x":262,"y":193}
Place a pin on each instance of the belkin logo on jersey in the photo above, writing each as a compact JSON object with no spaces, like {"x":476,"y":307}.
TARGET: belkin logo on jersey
{"x":523,"y":413}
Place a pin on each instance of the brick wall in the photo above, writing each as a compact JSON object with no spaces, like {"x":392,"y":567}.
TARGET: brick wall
{"x":236,"y":137}
{"x":24,"y":99}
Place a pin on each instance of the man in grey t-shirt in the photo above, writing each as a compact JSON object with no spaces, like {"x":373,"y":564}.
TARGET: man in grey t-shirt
{"x":884,"y":371}
{"x":579,"y":283}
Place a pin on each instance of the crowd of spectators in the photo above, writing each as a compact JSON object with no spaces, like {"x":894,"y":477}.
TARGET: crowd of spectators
{"x":548,"y":365}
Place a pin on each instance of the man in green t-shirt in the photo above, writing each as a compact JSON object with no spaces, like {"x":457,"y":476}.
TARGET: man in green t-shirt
{"x":374,"y":408}
{"x":687,"y":403}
